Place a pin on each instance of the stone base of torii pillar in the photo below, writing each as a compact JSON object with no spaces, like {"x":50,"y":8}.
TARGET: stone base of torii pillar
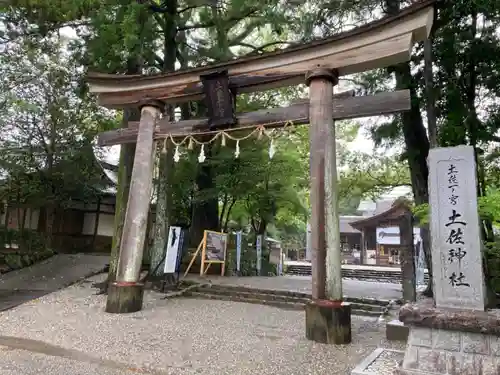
{"x":328,"y":322}
{"x":124,"y":297}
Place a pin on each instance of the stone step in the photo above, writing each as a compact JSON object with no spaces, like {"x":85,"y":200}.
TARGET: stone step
{"x":381,"y":275}
{"x":255,"y":294}
{"x":283,"y":304}
{"x":234,"y":298}
{"x":236,"y":289}
{"x":265,"y":296}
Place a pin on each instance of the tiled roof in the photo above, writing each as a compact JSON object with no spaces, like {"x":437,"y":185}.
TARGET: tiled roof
{"x":344,"y":225}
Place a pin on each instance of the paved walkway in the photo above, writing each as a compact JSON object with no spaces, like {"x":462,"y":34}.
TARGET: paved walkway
{"x":351,"y":288}
{"x":48,"y":276}
{"x":366,"y":267}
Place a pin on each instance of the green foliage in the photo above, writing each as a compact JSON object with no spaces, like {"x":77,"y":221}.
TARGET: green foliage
{"x":421,"y":212}
{"x":28,"y":241}
{"x":248,"y":261}
{"x":488,"y":208}
{"x":372,"y":175}
{"x":492,"y":257}
{"x":48,"y":127}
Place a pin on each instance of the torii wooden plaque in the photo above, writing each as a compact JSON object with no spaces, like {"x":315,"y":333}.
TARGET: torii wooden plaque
{"x":318,"y":64}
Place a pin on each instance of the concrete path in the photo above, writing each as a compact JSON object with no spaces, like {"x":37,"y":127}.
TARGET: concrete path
{"x":366,"y":267}
{"x":351,"y":288}
{"x":48,"y":276}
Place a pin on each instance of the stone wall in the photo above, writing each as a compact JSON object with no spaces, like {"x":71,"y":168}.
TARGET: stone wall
{"x":81,"y":243}
{"x":11,"y":260}
{"x":440,"y":351}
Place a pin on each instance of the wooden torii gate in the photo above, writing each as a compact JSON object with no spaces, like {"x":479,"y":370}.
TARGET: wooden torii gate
{"x":318,"y":64}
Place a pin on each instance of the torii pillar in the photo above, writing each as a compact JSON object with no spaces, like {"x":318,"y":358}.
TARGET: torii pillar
{"x":328,"y":318}
{"x":125,"y":295}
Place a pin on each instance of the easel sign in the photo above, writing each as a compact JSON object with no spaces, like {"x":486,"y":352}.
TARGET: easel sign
{"x":213,"y":250}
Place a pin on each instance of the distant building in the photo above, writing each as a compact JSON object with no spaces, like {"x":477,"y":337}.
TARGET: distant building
{"x":373,"y":237}
{"x":79,"y":226}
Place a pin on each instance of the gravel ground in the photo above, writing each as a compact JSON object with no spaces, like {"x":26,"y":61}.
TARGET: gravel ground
{"x":177,"y":336}
{"x":23,"y":362}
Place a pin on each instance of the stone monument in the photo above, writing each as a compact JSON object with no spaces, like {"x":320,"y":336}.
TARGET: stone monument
{"x":454,"y":334}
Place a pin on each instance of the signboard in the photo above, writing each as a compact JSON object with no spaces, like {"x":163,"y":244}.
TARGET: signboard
{"x":238,"y":251}
{"x":174,"y":245}
{"x":214,"y":246}
{"x":390,"y":235}
{"x":213,"y":250}
{"x":258,"y":245}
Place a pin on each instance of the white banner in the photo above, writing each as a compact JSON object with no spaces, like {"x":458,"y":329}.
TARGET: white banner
{"x":258,"y":246}
{"x":173,"y":248}
{"x":308,"y":242}
{"x":238,"y":251}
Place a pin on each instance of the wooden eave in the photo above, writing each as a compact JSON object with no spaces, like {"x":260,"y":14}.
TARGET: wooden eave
{"x":396,"y":211}
{"x":378,"y":44}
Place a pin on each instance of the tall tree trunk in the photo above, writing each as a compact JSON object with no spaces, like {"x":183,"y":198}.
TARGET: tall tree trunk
{"x":206,"y":213}
{"x":164,"y":201}
{"x":429,"y":92}
{"x":416,"y":142}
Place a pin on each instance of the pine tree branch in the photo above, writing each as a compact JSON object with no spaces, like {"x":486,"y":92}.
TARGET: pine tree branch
{"x":191,"y":7}
{"x":159,"y":21}
{"x":213,"y":23}
{"x":159,"y":60}
{"x":261,"y":48}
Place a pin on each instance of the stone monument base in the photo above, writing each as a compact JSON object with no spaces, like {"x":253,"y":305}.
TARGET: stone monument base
{"x":124,"y":297}
{"x":450,"y":341}
{"x":395,"y":330}
{"x":328,"y":322}
{"x":380,"y":362}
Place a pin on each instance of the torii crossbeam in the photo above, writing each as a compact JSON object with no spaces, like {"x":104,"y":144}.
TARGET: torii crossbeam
{"x":318,"y":64}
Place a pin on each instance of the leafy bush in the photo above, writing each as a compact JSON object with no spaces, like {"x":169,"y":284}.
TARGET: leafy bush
{"x":248,"y":263}
{"x":27,"y":240}
{"x":492,"y":257}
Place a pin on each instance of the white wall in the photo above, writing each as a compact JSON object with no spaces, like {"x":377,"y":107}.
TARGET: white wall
{"x":105,"y":228}
{"x":35,"y":217}
{"x":32,"y":218}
